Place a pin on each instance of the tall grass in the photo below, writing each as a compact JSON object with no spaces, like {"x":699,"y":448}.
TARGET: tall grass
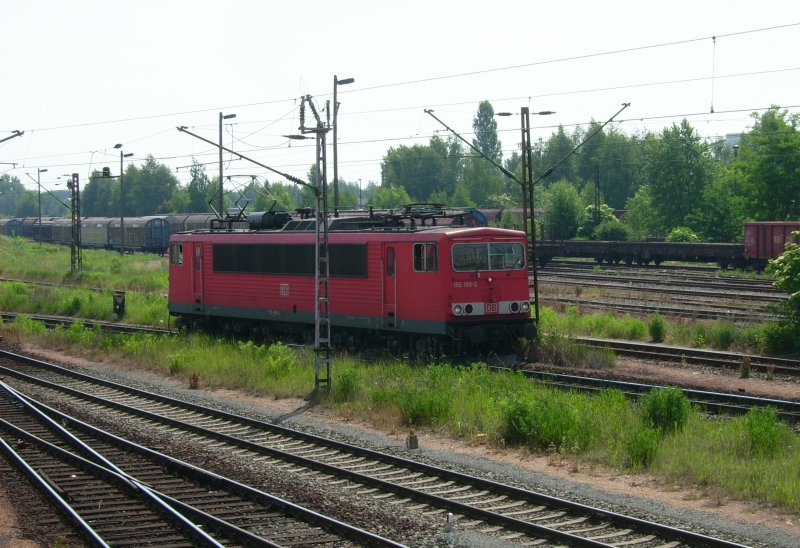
{"x":141,"y":308}
{"x":23,"y":259}
{"x":753,"y":457}
{"x":764,"y":338}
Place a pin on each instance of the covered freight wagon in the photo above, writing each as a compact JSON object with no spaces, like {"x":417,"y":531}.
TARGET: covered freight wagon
{"x":767,"y":239}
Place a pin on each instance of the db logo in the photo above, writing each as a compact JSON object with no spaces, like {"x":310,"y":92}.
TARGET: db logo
{"x":284,"y":290}
{"x":491,"y":308}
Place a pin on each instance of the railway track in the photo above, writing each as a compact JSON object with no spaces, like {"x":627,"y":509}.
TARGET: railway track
{"x":712,"y":402}
{"x":706,"y":291}
{"x":741,"y":316}
{"x":479,"y":505}
{"x":116,"y":491}
{"x":698,"y":356}
{"x":648,"y":277}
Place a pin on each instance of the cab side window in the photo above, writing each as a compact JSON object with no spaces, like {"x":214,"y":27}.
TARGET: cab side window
{"x":425,"y":257}
{"x":390,"y":261}
{"x":176,"y":253}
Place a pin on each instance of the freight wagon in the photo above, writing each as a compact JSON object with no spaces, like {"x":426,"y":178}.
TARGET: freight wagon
{"x":762,"y":241}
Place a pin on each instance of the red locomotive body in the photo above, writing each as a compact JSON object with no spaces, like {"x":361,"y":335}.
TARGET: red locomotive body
{"x":408,"y":286}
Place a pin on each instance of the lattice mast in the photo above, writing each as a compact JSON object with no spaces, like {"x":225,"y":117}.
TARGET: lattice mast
{"x":322,"y":312}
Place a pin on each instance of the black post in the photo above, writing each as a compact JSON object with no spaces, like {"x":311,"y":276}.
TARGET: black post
{"x":528,"y":177}
{"x":39,"y":172}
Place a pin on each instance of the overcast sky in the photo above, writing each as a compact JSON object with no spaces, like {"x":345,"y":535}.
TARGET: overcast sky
{"x":79,"y":76}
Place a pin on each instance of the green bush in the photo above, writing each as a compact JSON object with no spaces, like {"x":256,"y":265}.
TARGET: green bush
{"x":345,"y":384}
{"x":425,"y":406}
{"x":763,"y":430}
{"x":611,"y":231}
{"x":641,"y":445}
{"x":722,"y":335}
{"x":541,"y":423}
{"x":657,"y":328}
{"x":781,"y":338}
{"x":665,"y":409}
{"x":682,"y":234}
{"x":27,"y":325}
{"x":518,"y":419}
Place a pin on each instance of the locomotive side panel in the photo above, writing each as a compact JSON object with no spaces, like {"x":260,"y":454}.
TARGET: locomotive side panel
{"x":401,"y":288}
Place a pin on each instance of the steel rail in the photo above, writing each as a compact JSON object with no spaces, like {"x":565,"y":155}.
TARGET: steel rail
{"x":489,"y":517}
{"x":185,"y":469}
{"x":84,"y":529}
{"x":787,"y":409}
{"x":100,"y":464}
{"x":701,"y":356}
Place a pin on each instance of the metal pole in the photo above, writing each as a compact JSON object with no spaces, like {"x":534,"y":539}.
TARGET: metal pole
{"x":336,"y":84}
{"x":528,"y":176}
{"x":335,"y":156}
{"x":219,"y":211}
{"x":525,"y":179}
{"x":121,"y":204}
{"x":39,"y":185}
{"x":221,"y":193}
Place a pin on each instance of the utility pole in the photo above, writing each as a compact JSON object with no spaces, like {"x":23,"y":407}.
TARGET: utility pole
{"x":76,"y":258}
{"x":39,"y":172}
{"x":336,"y":84}
{"x":527,"y":182}
{"x":222,"y":117}
{"x":596,"y":192}
{"x":122,"y":199}
{"x":37,"y":234}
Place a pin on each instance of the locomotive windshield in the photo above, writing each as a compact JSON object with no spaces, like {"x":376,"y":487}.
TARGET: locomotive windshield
{"x":488,"y":256}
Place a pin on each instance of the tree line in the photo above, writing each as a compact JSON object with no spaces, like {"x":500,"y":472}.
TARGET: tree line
{"x":615,"y":186}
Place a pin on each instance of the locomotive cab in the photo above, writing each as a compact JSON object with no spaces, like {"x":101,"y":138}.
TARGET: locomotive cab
{"x":488,"y":294}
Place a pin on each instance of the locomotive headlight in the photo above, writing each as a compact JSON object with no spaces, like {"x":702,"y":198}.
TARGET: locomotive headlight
{"x":468,"y":309}
{"x":457,"y":310}
{"x":515,"y":307}
{"x":526,"y":306}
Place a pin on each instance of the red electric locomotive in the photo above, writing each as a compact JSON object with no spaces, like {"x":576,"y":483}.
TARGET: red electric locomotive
{"x":404,"y":281}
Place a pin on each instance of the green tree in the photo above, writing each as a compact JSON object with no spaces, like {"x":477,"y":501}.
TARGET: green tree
{"x":719,"y":215}
{"x":678,"y":166}
{"x":786,"y":270}
{"x":179,"y":201}
{"x":485,"y":127}
{"x":558,"y":146}
{"x":389,"y":197}
{"x":100,"y":196}
{"x":682,"y":234}
{"x":452,"y":153}
{"x":563,"y":206}
{"x":591,"y":217}
{"x":769,"y":164}
{"x":27,"y":205}
{"x":640,"y":215}
{"x":619,"y":162}
{"x":201,"y":192}
{"x":348,"y":194}
{"x":417,"y":168}
{"x":11,"y":190}
{"x":461,"y":196}
{"x":483,"y":180}
{"x":148,"y":189}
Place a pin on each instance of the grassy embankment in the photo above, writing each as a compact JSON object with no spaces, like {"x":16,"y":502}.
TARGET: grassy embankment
{"x":753,"y":457}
